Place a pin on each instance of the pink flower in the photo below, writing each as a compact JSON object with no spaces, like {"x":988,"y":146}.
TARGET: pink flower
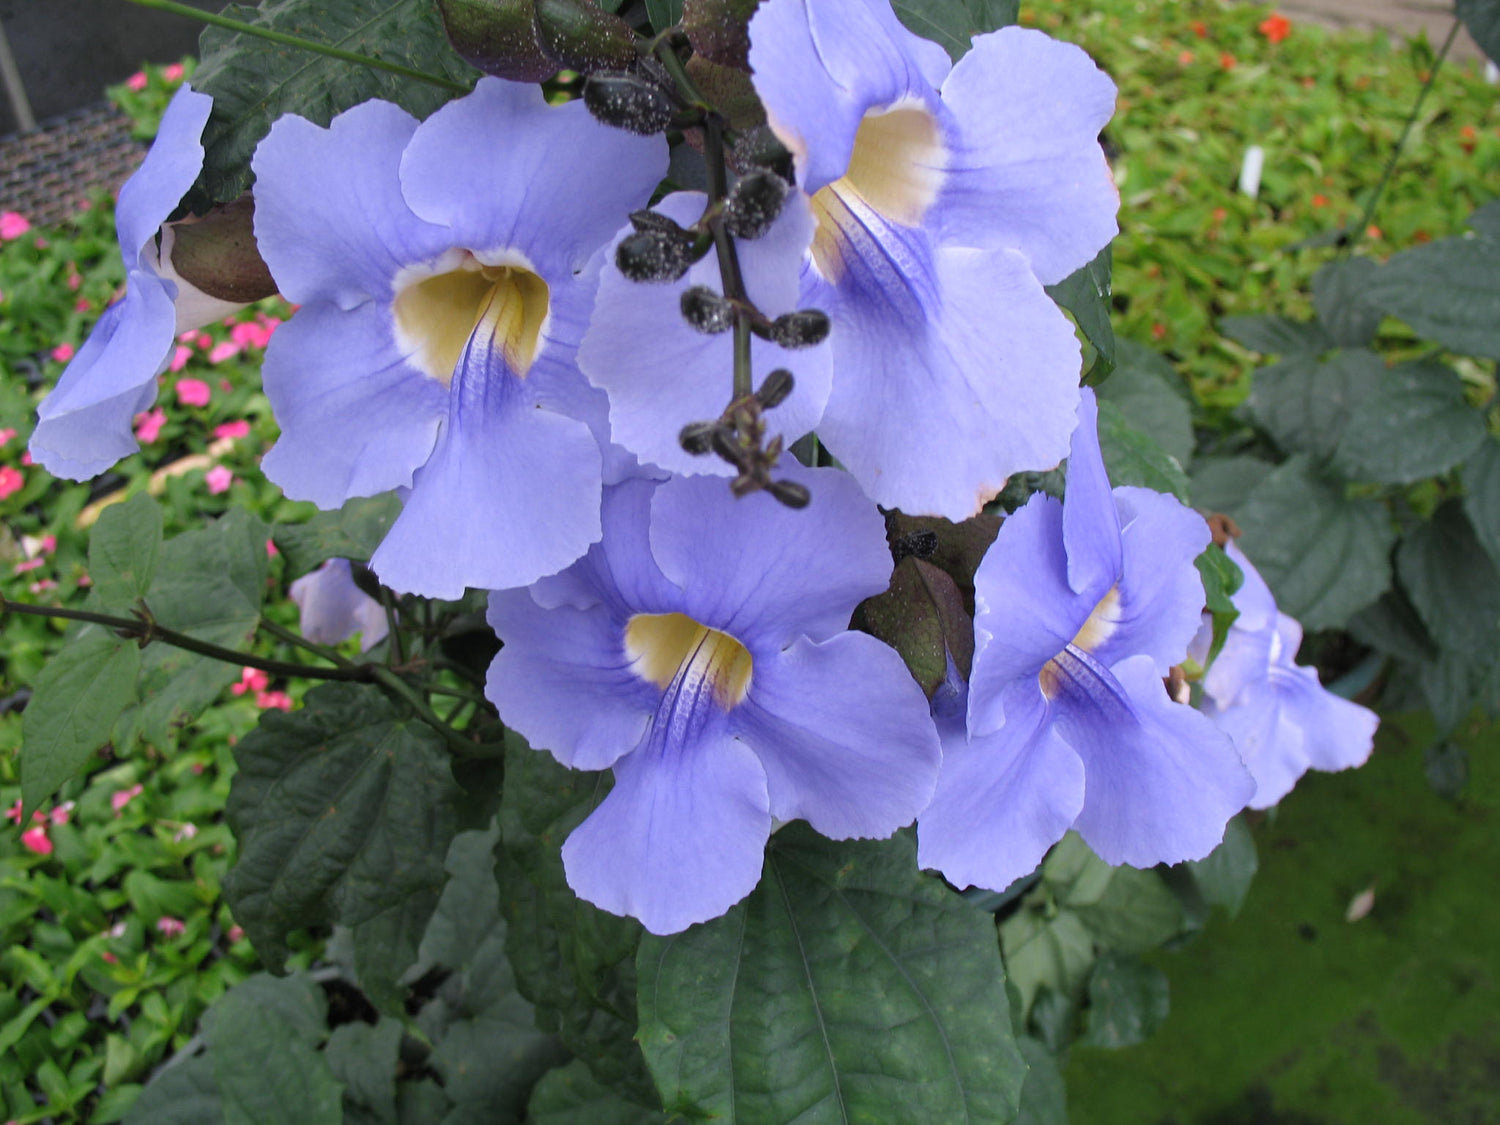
{"x":172,"y":72}
{"x":63,"y":813}
{"x":26,"y":458}
{"x":232,"y":430}
{"x":109,"y":959}
{"x":13,"y":814}
{"x":63,"y":352}
{"x":122,"y":797}
{"x":226,"y":350}
{"x":81,"y":305}
{"x":137,"y":81}
{"x":29,"y":564}
{"x":271,"y":551}
{"x":193,"y":392}
{"x":188,"y":337}
{"x":235,"y":934}
{"x":170,"y":927}
{"x":43,"y":586}
{"x":265,"y":700}
{"x":180,"y":355}
{"x":12,"y":225}
{"x":219,"y":479}
{"x":5,"y":436}
{"x":249,"y":334}
{"x":204,"y":341}
{"x":148,"y":426}
{"x":186,"y":832}
{"x":251,"y":679}
{"x":11,"y":481}
{"x":35,"y":839}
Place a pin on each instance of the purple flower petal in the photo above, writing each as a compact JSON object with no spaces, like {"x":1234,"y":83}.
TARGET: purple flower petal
{"x":153,"y":192}
{"x":333,"y":608}
{"x":1091,"y":521}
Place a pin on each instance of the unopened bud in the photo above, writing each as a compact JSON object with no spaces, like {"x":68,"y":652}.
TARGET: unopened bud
{"x":706,"y":311}
{"x":800,"y":329}
{"x":760,"y":148}
{"x":697,"y":438}
{"x":790,"y":493}
{"x":723,"y":443}
{"x":628,"y":102}
{"x":656,"y":221}
{"x":753,"y":204}
{"x":775,"y":388}
{"x":653,"y":256}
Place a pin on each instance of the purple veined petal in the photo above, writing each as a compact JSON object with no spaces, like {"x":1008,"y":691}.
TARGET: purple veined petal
{"x":1159,"y":600}
{"x":503,"y":170}
{"x":681,"y":837}
{"x":510,"y":493}
{"x":1091,"y":521}
{"x":356,"y":419}
{"x":84,"y":425}
{"x":1025,"y":613}
{"x":333,"y":608}
{"x":950,"y":374}
{"x":153,"y":192}
{"x":564,"y":681}
{"x":660,"y":374}
{"x":821,"y":65}
{"x":1002,"y":798}
{"x":1026,"y":170}
{"x":330,"y":220}
{"x":844,"y":735}
{"x":1163,"y":781}
{"x":762,"y":572}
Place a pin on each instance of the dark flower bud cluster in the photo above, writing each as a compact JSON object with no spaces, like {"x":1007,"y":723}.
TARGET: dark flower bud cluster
{"x":659,"y":250}
{"x":760,"y":148}
{"x":754,"y":203}
{"x":629,"y":101}
{"x":738,"y":436}
{"x":706,"y":311}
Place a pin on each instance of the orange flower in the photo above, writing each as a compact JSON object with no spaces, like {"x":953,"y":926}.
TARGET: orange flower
{"x":1227,"y":61}
{"x":1200,"y":29}
{"x":1276,"y":27}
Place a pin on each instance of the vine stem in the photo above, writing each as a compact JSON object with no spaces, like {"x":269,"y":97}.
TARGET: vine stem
{"x":729,"y":261}
{"x":1411,"y":121}
{"x":286,"y":40}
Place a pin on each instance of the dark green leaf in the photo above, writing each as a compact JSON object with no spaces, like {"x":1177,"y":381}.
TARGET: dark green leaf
{"x":1221,"y":578}
{"x":1124,"y":908}
{"x":570,"y":1094}
{"x":74,"y":703}
{"x":1045,"y":950}
{"x":1225,"y":874}
{"x":1455,"y":683}
{"x":663,"y":13}
{"x":1223,"y":484}
{"x":262,"y":1039}
{"x":342,"y":810}
{"x":1149,"y":394}
{"x":1392,"y":626}
{"x":1482,"y":18}
{"x":1276,"y":335}
{"x":1339,"y":295}
{"x":1413,"y":424}
{"x":1486,"y":220}
{"x":363,"y":1058}
{"x":421,"y":1103}
{"x":1086,"y":294}
{"x":1446,"y":767}
{"x":253,"y":81}
{"x":861,"y":990}
{"x":1452,"y":582}
{"x":1323,"y":556}
{"x":183,"y":1094}
{"x":952,"y":23}
{"x":1448,"y":290}
{"x":123,"y":549}
{"x":1132,"y":457}
{"x":1482,"y":495}
{"x":1044,"y":1097}
{"x":386,"y":945}
{"x":1304,"y":403}
{"x":922,"y":616}
{"x":1128,"y":1001}
{"x":353,"y":532}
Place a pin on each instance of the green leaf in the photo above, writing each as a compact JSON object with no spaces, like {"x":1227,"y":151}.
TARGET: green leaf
{"x":1224,"y":875}
{"x":1045,"y":949}
{"x":1455,"y":683}
{"x":1482,"y":18}
{"x":952,"y":23}
{"x":1086,"y":294}
{"x":569,"y":1094}
{"x":1221,"y":578}
{"x":386,"y":945}
{"x":1044,"y":1097}
{"x":268,"y":1029}
{"x":664,"y":13}
{"x":1223,"y":484}
{"x":1339,"y":296}
{"x":1132,"y":457}
{"x":1452,"y":582}
{"x":363,"y":1058}
{"x":1149,"y":394}
{"x":343,"y":810}
{"x":1481,"y":474}
{"x":123,"y":549}
{"x":1323,"y":556}
{"x":183,"y":1094}
{"x":1414,"y":424}
{"x":353,"y":532}
{"x":1392,"y":626}
{"x":1448,"y":290}
{"x":1304,"y":403}
{"x":74,"y":703}
{"x":1128,"y":1001}
{"x":860,"y":990}
{"x":253,"y":81}
{"x":1276,"y":335}
{"x":1123,"y":908}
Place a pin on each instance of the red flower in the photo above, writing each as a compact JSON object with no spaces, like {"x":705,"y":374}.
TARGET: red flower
{"x":1200,"y":29}
{"x":1276,"y":27}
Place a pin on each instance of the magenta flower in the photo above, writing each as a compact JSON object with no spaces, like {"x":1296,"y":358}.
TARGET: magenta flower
{"x":35,"y":839}
{"x":12,"y":480}
{"x":13,"y":225}
{"x":148,"y":425}
{"x":193,"y":392}
{"x":218,"y":478}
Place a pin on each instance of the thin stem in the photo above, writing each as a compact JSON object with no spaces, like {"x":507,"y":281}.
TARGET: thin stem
{"x":456,"y":693}
{"x":297,"y":640}
{"x":661,"y":48}
{"x":729,"y":262}
{"x":457,"y":743}
{"x":1411,"y":121}
{"x":297,"y":41}
{"x":393,"y":649}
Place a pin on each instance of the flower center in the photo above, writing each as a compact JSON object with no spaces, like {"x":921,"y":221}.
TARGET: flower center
{"x":438,"y":312}
{"x":668,"y":647}
{"x":896,"y":170}
{"x":1098,"y":628}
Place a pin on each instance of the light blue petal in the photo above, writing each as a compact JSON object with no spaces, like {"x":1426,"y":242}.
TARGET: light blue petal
{"x":1026,"y":170}
{"x":844,"y":734}
{"x":332,"y":608}
{"x":1091,"y":523}
{"x":153,"y":192}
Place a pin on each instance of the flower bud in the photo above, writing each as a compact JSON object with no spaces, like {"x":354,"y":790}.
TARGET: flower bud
{"x":801,"y":329}
{"x":655,"y":221}
{"x":775,"y":388}
{"x":790,"y":493}
{"x":628,"y":102}
{"x":753,"y":204}
{"x":582,"y":36}
{"x":706,"y":311}
{"x":697,"y":437}
{"x":653,"y":256}
{"x":760,"y":148}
